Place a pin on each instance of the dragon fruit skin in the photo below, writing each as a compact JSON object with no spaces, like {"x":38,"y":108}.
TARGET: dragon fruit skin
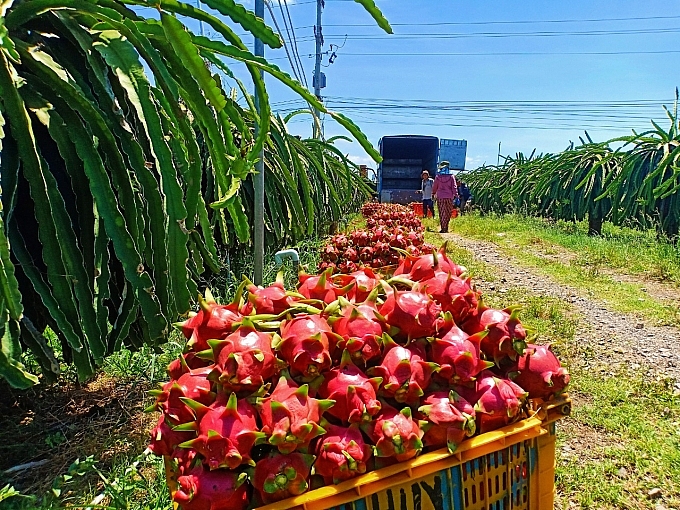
{"x":453,"y":294}
{"x":244,"y":360}
{"x":226,"y":433}
{"x":539,"y":372}
{"x":185,"y":363}
{"x":499,"y":402}
{"x":405,"y":373}
{"x":278,"y":477}
{"x":290,"y":416}
{"x":457,"y":353}
{"x":305,"y":344}
{"x":451,"y":419}
{"x":341,"y":454}
{"x":212,"y":490}
{"x":354,"y":393}
{"x":164,"y":439}
{"x":360,"y":329}
{"x":212,"y":322}
{"x":273,"y":299}
{"x":424,"y":267}
{"x":506,"y":336}
{"x":395,"y":434}
{"x":364,"y":281}
{"x":193,"y":385}
{"x":321,"y":287}
{"x":413,"y":313}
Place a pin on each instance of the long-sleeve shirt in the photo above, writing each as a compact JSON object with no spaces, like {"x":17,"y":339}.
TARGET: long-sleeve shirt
{"x":426,"y":188}
{"x":445,"y":186}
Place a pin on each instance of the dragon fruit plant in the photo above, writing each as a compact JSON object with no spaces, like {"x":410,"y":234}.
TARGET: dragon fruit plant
{"x":283,"y":389}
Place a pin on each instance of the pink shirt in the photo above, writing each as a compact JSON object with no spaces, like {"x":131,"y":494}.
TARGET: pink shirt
{"x":445,"y":186}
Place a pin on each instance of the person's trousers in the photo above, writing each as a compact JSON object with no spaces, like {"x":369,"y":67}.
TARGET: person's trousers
{"x":445,"y":206}
{"x":428,"y":204}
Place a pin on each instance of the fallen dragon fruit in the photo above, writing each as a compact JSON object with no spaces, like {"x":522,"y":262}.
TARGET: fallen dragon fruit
{"x":457,"y":353}
{"x":278,"y":477}
{"x":341,"y":454}
{"x":211,"y":490}
{"x":395,"y":434}
{"x":305,"y":345}
{"x":405,"y":373}
{"x":354,"y":393}
{"x":413,"y":314}
{"x":226,"y":432}
{"x":450,"y":417}
{"x":290,"y":417}
{"x":499,"y":402}
{"x":506,"y":336}
{"x":193,"y":385}
{"x":539,"y":372}
{"x":244,"y":360}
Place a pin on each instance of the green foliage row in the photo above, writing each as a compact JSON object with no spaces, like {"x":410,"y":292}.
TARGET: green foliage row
{"x":636,"y":184}
{"x":121,"y":190}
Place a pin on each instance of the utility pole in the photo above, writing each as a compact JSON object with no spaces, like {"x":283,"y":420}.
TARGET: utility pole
{"x":498,"y":162}
{"x":258,"y":177}
{"x":318,"y":35}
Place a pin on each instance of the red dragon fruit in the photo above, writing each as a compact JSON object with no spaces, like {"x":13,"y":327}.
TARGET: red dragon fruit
{"x":321,"y":287}
{"x":454,"y":294}
{"x":185,"y":363}
{"x":305,"y":344}
{"x":290,"y":416}
{"x":424,"y":267}
{"x":212,"y":322}
{"x":499,"y":402}
{"x":360,"y":329}
{"x":457,"y":353}
{"x":274,"y":299}
{"x":193,"y":385}
{"x":278,"y":477}
{"x":451,"y":419}
{"x":539,"y":372}
{"x":329,"y":253}
{"x":365,"y":280}
{"x":506,"y":335}
{"x":405,"y":373}
{"x":413,"y":313}
{"x":212,"y":490}
{"x":341,"y":454}
{"x":164,"y":439}
{"x":354,"y":393}
{"x":226,"y":433}
{"x":244,"y":360}
{"x":395,"y":434}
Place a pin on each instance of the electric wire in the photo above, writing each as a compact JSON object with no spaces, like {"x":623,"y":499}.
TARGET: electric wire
{"x":285,"y":45}
{"x":296,"y":53}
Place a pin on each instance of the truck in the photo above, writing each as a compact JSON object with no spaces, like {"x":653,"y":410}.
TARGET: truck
{"x":404,"y":159}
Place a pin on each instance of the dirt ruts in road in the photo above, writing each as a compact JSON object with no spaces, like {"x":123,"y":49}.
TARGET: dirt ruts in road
{"x":616,"y":339}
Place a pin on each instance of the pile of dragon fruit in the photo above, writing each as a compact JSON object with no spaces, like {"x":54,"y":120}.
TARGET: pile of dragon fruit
{"x":282,"y":391}
{"x":392,"y":231}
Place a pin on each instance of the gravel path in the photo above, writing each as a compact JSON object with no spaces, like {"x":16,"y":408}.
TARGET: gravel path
{"x":616,"y":339}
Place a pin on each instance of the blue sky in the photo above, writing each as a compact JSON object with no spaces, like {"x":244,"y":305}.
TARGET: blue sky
{"x":513,"y":72}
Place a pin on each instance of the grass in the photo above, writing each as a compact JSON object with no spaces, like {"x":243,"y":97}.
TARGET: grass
{"x":565,"y":252}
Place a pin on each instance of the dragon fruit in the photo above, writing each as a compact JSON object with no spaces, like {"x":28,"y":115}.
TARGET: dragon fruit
{"x":278,"y":477}
{"x":212,"y":322}
{"x":164,"y":439}
{"x":414,"y":314}
{"x":212,"y":490}
{"x":360,"y":329}
{"x":305,"y":344}
{"x":244,"y":360}
{"x":185,"y":363}
{"x":405,"y":373}
{"x":226,"y":433}
{"x":321,"y":287}
{"x":395,"y":434}
{"x":451,"y":419}
{"x":341,"y":454}
{"x":274,"y":299}
{"x":290,"y":416}
{"x":457,"y":353}
{"x":454,"y":294}
{"x":364,"y":280}
{"x":424,"y":267}
{"x":193,"y":385}
{"x":539,"y":372}
{"x":506,"y":336}
{"x":499,"y":402}
{"x":354,"y":393}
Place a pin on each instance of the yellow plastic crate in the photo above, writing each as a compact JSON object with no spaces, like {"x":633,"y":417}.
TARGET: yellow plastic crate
{"x":509,"y":468}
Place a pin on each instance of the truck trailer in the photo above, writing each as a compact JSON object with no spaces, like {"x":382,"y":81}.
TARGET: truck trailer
{"x":404,"y":159}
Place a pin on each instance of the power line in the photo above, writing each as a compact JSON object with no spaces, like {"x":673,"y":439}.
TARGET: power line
{"x":296,"y":53}
{"x":507,"y":53}
{"x":285,"y":45}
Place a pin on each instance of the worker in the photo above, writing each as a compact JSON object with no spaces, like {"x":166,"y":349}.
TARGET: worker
{"x":426,"y":190}
{"x":445,"y":191}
